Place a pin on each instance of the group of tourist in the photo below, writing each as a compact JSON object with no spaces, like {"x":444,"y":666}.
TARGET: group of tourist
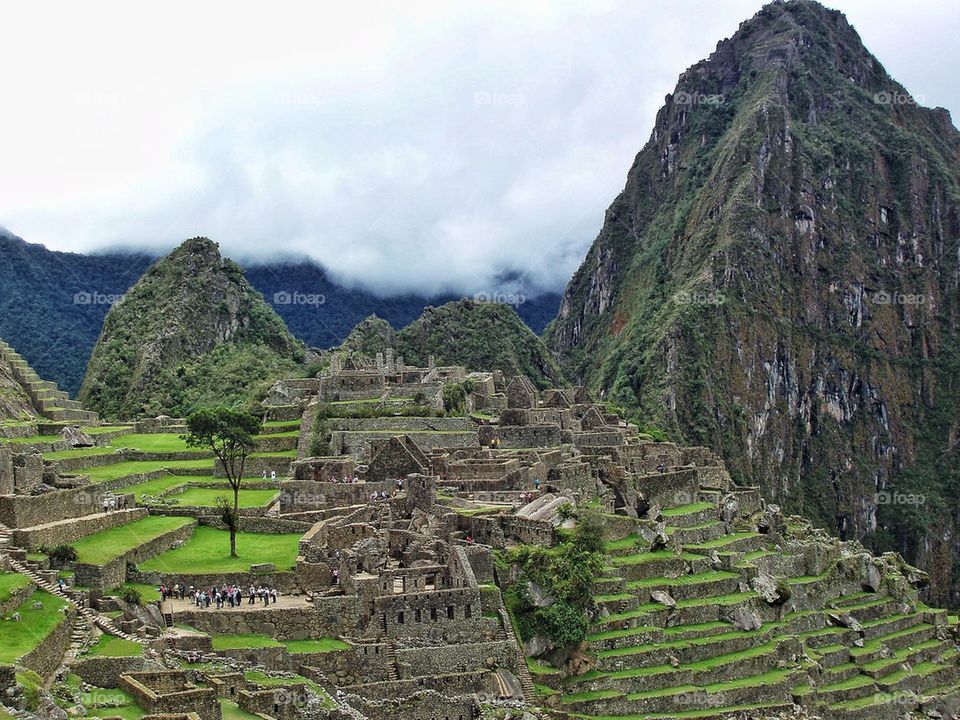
{"x":228,"y":595}
{"x":345,"y":481}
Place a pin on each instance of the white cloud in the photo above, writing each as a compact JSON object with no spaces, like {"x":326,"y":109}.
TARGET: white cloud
{"x":420,"y":146}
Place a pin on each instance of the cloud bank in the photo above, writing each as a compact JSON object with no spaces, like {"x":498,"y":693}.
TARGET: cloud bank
{"x":419,"y":147}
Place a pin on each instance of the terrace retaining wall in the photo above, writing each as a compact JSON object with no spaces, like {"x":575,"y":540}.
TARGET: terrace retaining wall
{"x":45,"y":658}
{"x":114,"y":572}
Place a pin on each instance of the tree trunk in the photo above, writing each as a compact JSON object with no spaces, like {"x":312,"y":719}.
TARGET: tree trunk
{"x":236,"y":520}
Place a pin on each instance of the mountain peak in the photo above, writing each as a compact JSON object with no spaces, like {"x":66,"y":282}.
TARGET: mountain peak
{"x":190,"y":307}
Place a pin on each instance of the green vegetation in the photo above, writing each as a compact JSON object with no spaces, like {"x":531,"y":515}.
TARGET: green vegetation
{"x":565,"y":572}
{"x":207,"y":497}
{"x":110,"y":646}
{"x":11,"y":582}
{"x":102,"y":547}
{"x":35,"y":624}
{"x":152,"y":442}
{"x":129,"y":468}
{"x":207,"y":551}
{"x":222,"y":344}
{"x":229,"y":434}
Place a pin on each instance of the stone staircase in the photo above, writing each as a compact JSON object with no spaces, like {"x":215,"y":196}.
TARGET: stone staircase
{"x":523,"y":672}
{"x":51,"y":402}
{"x":393,"y":673}
{"x":101,"y":621}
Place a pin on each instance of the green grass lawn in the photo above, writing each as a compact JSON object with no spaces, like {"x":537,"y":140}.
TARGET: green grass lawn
{"x":207,"y":497}
{"x":295,"y":647}
{"x":108,"y":545}
{"x":104,"y":703}
{"x":10,"y":582}
{"x":148,"y":593}
{"x":208,"y":551}
{"x":281,"y":424}
{"x":109,"y":646}
{"x":79,"y":453}
{"x":155,"y":442}
{"x":231,"y":711}
{"x":244,"y":642}
{"x":136,"y":467}
{"x":300,"y":647}
{"x":34,"y":626}
{"x":159,"y":485}
{"x":103,"y":429}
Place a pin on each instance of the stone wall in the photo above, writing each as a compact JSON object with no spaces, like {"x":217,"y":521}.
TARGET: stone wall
{"x":114,"y":572}
{"x":351,"y":442}
{"x":517,"y":436}
{"x":105,"y":672}
{"x":426,"y":704}
{"x":163,"y":692}
{"x":461,"y":658}
{"x":16,"y":599}
{"x":329,"y":617}
{"x":76,"y":528}
{"x":6,"y":471}
{"x":45,"y":658}
{"x":19,"y":511}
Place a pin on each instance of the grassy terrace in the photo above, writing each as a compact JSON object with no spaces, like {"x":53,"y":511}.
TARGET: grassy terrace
{"x":11,"y":582}
{"x":154,"y":442}
{"x":208,"y":551}
{"x":79,"y":453}
{"x":36,"y":624}
{"x":207,"y":497}
{"x":109,"y":646}
{"x":296,"y":647}
{"x":137,"y":467}
{"x":102,"y":547}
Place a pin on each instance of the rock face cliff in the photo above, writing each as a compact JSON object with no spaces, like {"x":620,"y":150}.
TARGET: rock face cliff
{"x":191,"y":332}
{"x":779,"y":280}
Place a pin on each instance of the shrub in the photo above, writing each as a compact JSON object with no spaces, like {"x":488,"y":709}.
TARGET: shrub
{"x":62,"y":554}
{"x":131,"y":596}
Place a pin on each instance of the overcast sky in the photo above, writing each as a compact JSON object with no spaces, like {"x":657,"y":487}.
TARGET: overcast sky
{"x":407,"y":146}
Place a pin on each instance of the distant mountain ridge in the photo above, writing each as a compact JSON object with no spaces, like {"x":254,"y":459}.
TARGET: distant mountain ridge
{"x":52,"y":304}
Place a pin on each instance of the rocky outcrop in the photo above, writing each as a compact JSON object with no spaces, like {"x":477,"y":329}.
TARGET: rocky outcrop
{"x":192,"y":331}
{"x":778,"y":280}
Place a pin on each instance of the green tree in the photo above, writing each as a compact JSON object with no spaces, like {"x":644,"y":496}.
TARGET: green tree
{"x":231,"y":435}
